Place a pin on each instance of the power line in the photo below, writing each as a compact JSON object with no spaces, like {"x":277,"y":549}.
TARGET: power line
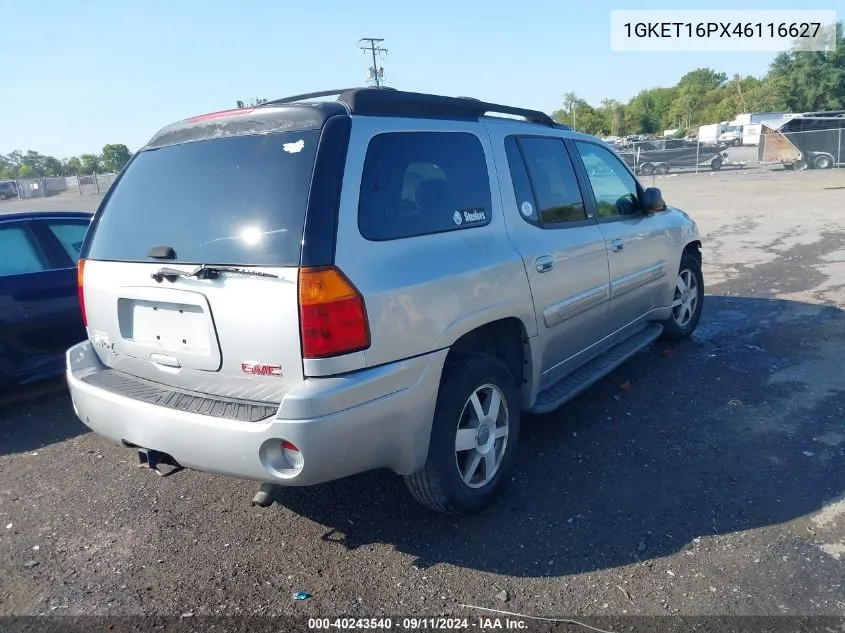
{"x":376,"y":71}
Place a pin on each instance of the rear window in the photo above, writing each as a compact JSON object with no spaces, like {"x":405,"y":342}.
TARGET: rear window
{"x":238,"y":200}
{"x":419,"y":183}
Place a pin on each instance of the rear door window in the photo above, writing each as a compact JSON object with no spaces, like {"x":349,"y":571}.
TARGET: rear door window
{"x":70,"y":234}
{"x":237,"y":200}
{"x":542,"y":170}
{"x":420,"y":183}
{"x":21,"y":254}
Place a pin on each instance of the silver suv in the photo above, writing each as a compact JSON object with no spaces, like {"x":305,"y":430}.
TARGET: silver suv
{"x":308,"y":289}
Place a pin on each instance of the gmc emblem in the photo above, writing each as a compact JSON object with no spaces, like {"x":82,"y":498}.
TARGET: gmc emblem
{"x":260,"y":369}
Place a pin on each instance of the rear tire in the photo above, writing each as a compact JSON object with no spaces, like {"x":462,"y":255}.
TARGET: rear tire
{"x":687,"y":302}
{"x":647,"y":169}
{"x":469,"y":456}
{"x":716,"y":164}
{"x":822,"y":162}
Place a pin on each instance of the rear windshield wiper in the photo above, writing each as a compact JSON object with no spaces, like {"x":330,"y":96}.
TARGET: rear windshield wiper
{"x":205,"y":271}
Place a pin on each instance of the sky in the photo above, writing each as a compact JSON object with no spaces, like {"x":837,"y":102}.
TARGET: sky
{"x":79,"y":75}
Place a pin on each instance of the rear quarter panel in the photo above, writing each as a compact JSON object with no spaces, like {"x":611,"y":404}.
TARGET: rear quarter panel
{"x":423,"y":293}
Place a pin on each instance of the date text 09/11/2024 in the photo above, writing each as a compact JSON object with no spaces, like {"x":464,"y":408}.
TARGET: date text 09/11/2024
{"x":418,"y":624}
{"x":722,"y":29}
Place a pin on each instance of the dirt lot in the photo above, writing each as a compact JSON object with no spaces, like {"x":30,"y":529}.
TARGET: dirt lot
{"x":65,"y":201}
{"x":714,"y":485}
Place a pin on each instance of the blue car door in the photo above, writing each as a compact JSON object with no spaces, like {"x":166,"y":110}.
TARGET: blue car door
{"x":39,"y":306}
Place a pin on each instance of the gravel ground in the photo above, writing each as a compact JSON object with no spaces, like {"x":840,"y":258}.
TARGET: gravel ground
{"x":713,"y":485}
{"x":70,"y":200}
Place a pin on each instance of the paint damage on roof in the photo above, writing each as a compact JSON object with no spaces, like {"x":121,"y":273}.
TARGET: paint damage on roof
{"x":247,"y":121}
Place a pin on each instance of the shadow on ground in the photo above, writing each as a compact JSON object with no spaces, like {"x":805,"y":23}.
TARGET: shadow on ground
{"x":717,"y":435}
{"x":29,"y":419}
{"x":739,"y":428}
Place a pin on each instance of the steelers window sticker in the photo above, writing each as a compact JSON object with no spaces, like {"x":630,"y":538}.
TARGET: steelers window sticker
{"x":473,"y":216}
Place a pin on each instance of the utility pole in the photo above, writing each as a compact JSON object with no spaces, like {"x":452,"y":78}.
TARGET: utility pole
{"x":374,"y":48}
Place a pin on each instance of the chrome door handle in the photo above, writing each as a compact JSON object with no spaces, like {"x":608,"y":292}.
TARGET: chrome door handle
{"x":616,"y":245}
{"x":544,"y":263}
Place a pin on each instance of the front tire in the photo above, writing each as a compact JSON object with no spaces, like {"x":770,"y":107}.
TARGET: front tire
{"x":687,"y":302}
{"x":473,"y":437}
{"x":716,"y":164}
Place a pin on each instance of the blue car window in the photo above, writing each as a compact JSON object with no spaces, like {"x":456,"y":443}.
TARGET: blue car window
{"x":18,"y":255}
{"x":70,"y":234}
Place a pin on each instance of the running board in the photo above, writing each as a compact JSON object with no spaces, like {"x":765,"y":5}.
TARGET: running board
{"x":582,"y":378}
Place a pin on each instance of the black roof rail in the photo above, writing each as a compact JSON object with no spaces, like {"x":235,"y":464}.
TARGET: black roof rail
{"x":384,"y":101}
{"x":322,"y":93}
{"x":401,"y":103}
{"x":305,"y":96}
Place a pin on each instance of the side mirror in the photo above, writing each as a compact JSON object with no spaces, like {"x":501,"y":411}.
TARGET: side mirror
{"x":653,"y":200}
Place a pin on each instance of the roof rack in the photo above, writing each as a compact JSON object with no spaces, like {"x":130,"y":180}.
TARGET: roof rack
{"x":312,"y":95}
{"x":383,"y":101}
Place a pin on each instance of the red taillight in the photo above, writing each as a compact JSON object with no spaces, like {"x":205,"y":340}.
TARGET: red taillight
{"x":214,"y":115}
{"x":332,"y":315}
{"x":79,"y":270}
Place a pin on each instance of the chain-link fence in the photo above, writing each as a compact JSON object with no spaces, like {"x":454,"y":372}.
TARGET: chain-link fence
{"x":23,"y":189}
{"x":94,"y":184}
{"x":771,"y":150}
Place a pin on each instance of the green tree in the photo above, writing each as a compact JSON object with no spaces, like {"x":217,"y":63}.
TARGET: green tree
{"x":568,"y":114}
{"x":53,"y":167}
{"x":90,"y":164}
{"x":15,"y":159}
{"x":702,"y":80}
{"x":114,"y":157}
{"x":770,"y":95}
{"x":72,"y":166}
{"x":811,"y":80}
{"x":35,"y":164}
{"x":614,"y":112}
{"x":644,"y":112}
{"x":8,"y":171}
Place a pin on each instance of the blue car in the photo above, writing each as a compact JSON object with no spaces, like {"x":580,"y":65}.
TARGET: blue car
{"x":40,"y":317}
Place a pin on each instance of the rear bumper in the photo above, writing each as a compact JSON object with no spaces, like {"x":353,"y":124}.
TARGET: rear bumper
{"x":380,"y":418}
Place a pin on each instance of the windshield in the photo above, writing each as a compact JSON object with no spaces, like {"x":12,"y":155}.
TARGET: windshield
{"x":238,"y":200}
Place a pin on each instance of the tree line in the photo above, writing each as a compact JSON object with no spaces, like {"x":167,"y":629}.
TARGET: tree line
{"x":796,"y":82}
{"x":19,"y":165}
{"x":799,"y":81}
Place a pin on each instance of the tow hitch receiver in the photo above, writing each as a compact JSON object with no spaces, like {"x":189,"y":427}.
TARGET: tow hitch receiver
{"x":151,"y":459}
